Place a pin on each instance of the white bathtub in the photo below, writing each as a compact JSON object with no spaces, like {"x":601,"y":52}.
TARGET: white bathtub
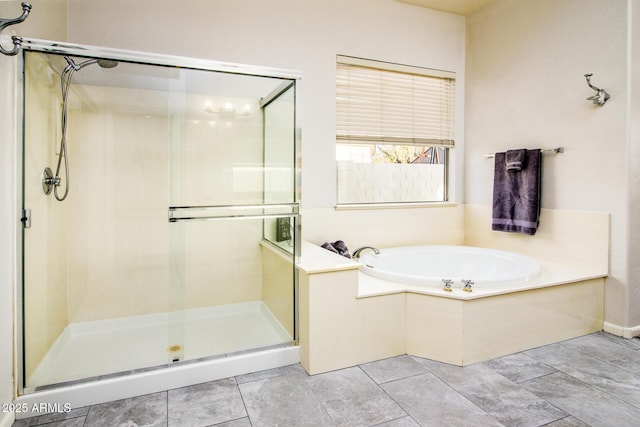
{"x":429,"y":265}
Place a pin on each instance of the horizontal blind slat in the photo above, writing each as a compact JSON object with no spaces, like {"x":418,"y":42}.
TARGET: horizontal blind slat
{"x":384,"y":105}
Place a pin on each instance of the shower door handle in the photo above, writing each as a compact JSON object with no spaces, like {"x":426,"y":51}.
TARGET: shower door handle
{"x":26,"y":218}
{"x":190,"y":213}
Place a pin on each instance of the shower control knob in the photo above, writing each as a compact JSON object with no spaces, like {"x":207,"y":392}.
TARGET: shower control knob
{"x":49,"y":181}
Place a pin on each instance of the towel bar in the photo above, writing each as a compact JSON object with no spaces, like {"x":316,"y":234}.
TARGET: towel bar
{"x":546,"y":150}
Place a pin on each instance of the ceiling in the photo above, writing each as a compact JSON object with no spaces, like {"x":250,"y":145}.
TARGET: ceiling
{"x":459,"y":7}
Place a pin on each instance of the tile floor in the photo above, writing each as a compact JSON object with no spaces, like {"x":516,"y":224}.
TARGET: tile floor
{"x":588,"y":381}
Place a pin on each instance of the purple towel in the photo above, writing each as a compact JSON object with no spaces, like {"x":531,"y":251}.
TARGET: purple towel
{"x":516,"y":194}
{"x":514,"y":159}
{"x":338,"y":247}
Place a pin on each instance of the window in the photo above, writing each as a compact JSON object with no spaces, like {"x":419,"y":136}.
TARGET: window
{"x":394,"y":131}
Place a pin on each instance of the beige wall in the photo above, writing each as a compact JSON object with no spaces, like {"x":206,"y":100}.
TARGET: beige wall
{"x":633,"y":300}
{"x":292,"y":34}
{"x":525,"y":88}
{"x":47,"y":20}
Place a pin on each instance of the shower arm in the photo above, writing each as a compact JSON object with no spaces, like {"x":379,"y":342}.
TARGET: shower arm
{"x":17,"y":41}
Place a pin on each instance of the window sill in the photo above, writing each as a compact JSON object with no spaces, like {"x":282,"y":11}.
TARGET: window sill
{"x":376,"y":206}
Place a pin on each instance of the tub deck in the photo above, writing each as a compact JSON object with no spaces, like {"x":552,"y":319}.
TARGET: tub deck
{"x":553,"y":274}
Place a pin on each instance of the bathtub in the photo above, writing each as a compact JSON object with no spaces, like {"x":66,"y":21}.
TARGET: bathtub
{"x":429,"y":265}
{"x":381,"y":317}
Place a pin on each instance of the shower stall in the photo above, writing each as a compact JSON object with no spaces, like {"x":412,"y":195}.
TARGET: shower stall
{"x":160,"y":213}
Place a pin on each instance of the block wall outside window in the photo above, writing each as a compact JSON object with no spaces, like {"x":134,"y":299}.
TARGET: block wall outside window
{"x":389,"y":183}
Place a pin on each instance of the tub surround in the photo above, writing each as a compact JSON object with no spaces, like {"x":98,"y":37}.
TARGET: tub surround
{"x":579,"y":238}
{"x":462,"y":332}
{"x":438,"y":224}
{"x":337,"y":329}
{"x":317,"y":260}
{"x":348,"y":318}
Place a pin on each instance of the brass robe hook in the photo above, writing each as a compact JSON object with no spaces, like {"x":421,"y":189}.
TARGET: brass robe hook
{"x":601,"y":97}
{"x":4,"y":23}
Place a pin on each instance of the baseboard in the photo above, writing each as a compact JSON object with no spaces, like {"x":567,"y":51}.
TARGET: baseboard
{"x":7,"y":419}
{"x":621,"y":331}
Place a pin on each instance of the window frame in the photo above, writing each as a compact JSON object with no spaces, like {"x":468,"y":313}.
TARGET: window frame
{"x":447,"y":144}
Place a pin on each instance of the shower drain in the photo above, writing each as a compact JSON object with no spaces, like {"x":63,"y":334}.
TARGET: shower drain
{"x":172,"y":349}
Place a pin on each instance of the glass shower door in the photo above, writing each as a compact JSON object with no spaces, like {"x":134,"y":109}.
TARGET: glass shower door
{"x":235,"y":288}
{"x":281,"y":175}
{"x":165,"y":249}
{"x":279,"y":162}
{"x":96,"y":294}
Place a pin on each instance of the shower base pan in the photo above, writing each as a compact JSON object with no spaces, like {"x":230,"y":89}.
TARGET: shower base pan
{"x":103,"y":348}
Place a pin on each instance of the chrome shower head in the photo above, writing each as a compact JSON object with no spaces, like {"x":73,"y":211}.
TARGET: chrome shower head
{"x":107,"y":63}
{"x":103,"y":63}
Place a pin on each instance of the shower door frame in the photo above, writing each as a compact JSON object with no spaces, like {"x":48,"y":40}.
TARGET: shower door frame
{"x":121,"y":55}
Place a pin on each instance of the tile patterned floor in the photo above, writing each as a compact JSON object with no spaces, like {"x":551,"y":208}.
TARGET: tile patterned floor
{"x":588,"y":381}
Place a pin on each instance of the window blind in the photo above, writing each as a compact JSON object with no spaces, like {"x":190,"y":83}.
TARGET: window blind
{"x":391,"y":104}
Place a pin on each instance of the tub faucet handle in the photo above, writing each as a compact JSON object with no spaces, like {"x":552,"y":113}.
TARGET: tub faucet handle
{"x":467,"y":285}
{"x":447,"y":285}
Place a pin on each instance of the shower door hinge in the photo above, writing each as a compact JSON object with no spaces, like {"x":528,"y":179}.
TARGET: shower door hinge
{"x":26,"y":218}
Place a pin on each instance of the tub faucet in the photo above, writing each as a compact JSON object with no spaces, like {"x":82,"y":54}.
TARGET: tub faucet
{"x":467,"y":285}
{"x":447,"y":285}
{"x":356,"y":253}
